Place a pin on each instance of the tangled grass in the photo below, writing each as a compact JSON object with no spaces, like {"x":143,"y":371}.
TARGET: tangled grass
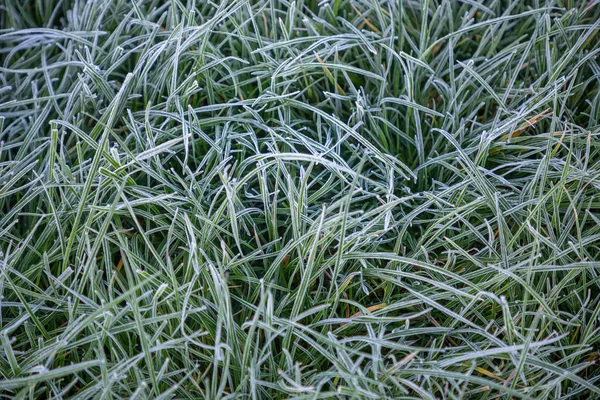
{"x":272,"y":199}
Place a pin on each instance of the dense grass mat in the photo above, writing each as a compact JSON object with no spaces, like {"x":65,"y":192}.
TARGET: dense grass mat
{"x":298,"y":199}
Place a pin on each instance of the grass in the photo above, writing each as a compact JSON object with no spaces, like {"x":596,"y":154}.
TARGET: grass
{"x":298,"y":199}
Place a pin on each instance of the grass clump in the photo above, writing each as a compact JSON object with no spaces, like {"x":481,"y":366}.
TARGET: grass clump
{"x":299,"y":199}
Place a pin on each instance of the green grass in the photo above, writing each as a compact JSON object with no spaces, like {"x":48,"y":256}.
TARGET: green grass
{"x":297,"y":199}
